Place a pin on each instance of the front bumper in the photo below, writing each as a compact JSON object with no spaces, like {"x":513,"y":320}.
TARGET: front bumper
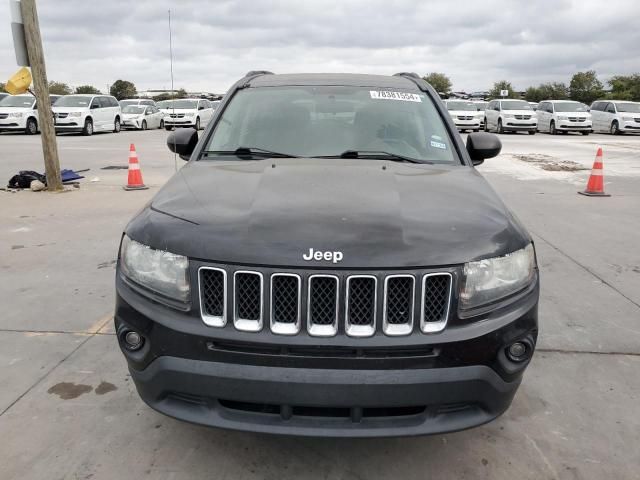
{"x":630,"y":126}
{"x":568,"y":126}
{"x":467,"y":124}
{"x":179,"y":122}
{"x":519,"y":125}
{"x":270,"y":383}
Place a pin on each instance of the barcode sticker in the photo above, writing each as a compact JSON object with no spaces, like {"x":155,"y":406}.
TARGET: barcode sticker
{"x":402,"y":96}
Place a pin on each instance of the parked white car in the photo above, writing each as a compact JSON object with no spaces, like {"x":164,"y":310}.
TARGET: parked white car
{"x":188,"y":112}
{"x":464,"y":115}
{"x":508,"y":115}
{"x":615,"y":116}
{"x":481,"y":106}
{"x":142,"y":117}
{"x":136,"y":101}
{"x":87,"y":114}
{"x":19,"y":113}
{"x":555,"y":116}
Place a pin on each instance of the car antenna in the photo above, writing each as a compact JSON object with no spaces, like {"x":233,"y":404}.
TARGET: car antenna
{"x":173,"y":102}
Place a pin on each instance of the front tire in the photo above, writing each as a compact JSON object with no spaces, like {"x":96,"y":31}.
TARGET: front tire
{"x":486,"y":125}
{"x":31,"y":127}
{"x":168,"y":129}
{"x":116,"y":125}
{"x":552,"y":128}
{"x":197,"y":123}
{"x":87,"y":131}
{"x":161,"y":124}
{"x":500,"y":127}
{"x":585,"y":133}
{"x":615,"y":128}
{"x":476,"y":129}
{"x":532,"y":132}
{"x":144,"y":125}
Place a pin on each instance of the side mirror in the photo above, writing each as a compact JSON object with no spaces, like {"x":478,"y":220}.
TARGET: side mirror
{"x":201,"y":107}
{"x":183,"y":141}
{"x":482,"y":145}
{"x":94,"y":106}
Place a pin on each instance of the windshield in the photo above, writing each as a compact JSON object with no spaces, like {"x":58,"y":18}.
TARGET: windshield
{"x":323,"y":121}
{"x":464,"y":106}
{"x":516,"y":105}
{"x":186,"y":104}
{"x":571,"y":107}
{"x":626,"y":107}
{"x":481,"y":106}
{"x":124,"y":103}
{"x":71,"y":101}
{"x":133,"y":109}
{"x":163,"y":104}
{"x":18,"y":101}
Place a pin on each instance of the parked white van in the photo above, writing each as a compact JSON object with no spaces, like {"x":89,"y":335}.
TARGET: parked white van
{"x":19,"y":113}
{"x":555,"y":116}
{"x":187,"y":112}
{"x":87,"y":114}
{"x":464,"y":114}
{"x":615,"y":116}
{"x":136,"y":101}
{"x":510,"y":115}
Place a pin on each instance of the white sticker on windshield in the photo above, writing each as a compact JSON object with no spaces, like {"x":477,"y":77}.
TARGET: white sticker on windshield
{"x":440,"y":145}
{"x":402,"y":96}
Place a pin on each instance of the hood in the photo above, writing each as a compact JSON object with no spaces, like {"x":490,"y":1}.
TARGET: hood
{"x":15,"y":110}
{"x":465,"y":113}
{"x":180,"y":110}
{"x":68,"y":109}
{"x":377,"y":213}
{"x":520,"y":112}
{"x":132,"y":115}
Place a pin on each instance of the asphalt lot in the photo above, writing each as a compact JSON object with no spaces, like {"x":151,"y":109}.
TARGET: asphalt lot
{"x":69,"y":410}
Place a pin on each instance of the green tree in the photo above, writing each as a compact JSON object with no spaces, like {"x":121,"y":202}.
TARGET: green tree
{"x":2,"y":89}
{"x":503,"y":85}
{"x":439,"y":81}
{"x":625,"y":87}
{"x":123,"y":89}
{"x":181,"y":93}
{"x":547,"y":91}
{"x":87,"y":89}
{"x":585,"y":87}
{"x":59,"y":88}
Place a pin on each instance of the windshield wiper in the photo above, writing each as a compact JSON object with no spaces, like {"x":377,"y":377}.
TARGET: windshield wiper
{"x":376,"y":153}
{"x":250,"y":152}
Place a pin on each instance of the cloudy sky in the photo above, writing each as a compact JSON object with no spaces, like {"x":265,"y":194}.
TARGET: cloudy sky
{"x":215,"y":42}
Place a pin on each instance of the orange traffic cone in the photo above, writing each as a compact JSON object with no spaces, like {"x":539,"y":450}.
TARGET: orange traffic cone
{"x":595,"y":185}
{"x":135,"y":175}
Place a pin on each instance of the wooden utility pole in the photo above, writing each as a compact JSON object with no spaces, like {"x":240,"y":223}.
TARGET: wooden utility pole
{"x":41,"y":87}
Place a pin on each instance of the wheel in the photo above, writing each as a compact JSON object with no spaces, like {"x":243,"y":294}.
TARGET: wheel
{"x":585,"y":133}
{"x":144,"y":125}
{"x":161,"y":124}
{"x":198,"y":123}
{"x":532,"y":132}
{"x":168,"y":129}
{"x":476,"y":129}
{"x":552,"y":128}
{"x":486,"y":125}
{"x":87,"y":131}
{"x":500,"y":127}
{"x":116,"y":125}
{"x":615,"y":128}
{"x":32,"y":127}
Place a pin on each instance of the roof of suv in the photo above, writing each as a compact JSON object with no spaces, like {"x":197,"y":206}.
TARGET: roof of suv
{"x":330,"y":79}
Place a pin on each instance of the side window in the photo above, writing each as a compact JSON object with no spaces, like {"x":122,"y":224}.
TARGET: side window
{"x":611,"y":108}
{"x":497,"y":107}
{"x":96,"y":103}
{"x":148,"y":111}
{"x":550,"y":107}
{"x":201,"y":105}
{"x":114,"y":102}
{"x":491,"y":105}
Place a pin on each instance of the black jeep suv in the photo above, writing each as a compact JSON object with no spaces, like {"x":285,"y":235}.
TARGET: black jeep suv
{"x":330,"y":263}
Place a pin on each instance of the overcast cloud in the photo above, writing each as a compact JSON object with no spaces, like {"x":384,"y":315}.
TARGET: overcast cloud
{"x":475,"y":42}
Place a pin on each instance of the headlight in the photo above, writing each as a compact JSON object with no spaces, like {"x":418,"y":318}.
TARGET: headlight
{"x":509,"y":115}
{"x":159,"y":271}
{"x":75,"y":114}
{"x":563,"y":117}
{"x":627,"y":119}
{"x":16,"y":115}
{"x":489,"y":280}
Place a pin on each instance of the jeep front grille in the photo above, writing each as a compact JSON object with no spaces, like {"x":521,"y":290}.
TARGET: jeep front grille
{"x":358,"y":305}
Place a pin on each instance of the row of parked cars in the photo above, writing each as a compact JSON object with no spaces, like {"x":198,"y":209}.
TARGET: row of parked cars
{"x":553,"y":116}
{"x":103,"y":113}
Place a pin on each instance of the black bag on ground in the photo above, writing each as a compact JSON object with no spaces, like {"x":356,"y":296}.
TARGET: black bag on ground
{"x":24,"y":178}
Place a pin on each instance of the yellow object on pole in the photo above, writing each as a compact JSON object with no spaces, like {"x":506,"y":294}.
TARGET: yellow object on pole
{"x":19,"y":82}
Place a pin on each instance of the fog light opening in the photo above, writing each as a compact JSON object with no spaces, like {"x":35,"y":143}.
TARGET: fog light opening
{"x":132,"y":340}
{"x":518,"y":351}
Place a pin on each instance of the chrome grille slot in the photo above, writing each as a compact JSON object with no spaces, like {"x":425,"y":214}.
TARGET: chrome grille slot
{"x":322,"y":305}
{"x":285,"y":303}
{"x":247,"y":301}
{"x":398,"y":304}
{"x":436,"y":298}
{"x":360,"y":311}
{"x":213,"y":296}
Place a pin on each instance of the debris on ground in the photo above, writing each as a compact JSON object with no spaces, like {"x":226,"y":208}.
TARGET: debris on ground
{"x":115,"y":167}
{"x":37,"y":185}
{"x":547,"y":162}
